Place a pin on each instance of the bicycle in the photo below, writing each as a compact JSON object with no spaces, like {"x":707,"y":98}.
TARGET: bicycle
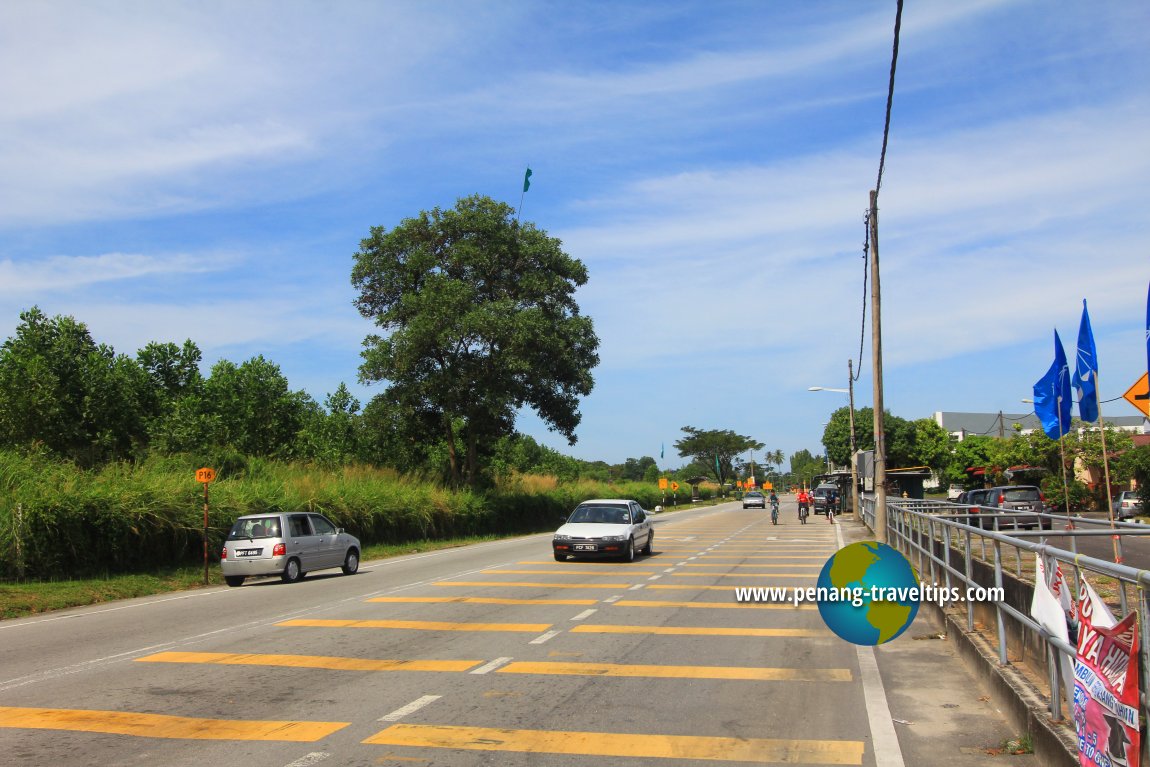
{"x":804,"y":512}
{"x":774,"y":512}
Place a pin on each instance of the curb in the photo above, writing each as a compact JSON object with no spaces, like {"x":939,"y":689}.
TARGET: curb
{"x":1026,"y":708}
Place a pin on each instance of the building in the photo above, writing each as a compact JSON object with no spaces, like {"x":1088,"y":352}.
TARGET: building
{"x":963,"y":425}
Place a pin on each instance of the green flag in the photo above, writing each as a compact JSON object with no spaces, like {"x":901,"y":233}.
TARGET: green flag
{"x":527,"y":180}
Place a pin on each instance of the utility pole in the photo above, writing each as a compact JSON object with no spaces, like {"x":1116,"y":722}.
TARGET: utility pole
{"x":876,"y":361}
{"x":854,"y":467}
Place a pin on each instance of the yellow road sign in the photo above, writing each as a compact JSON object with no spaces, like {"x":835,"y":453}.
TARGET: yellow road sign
{"x":205,"y":475}
{"x":675,"y":486}
{"x":1139,"y":394}
{"x":662,"y":483}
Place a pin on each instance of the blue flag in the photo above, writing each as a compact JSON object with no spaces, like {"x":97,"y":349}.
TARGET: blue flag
{"x":527,"y":180}
{"x":1052,"y":394}
{"x":1086,"y":371}
{"x":660,"y":449}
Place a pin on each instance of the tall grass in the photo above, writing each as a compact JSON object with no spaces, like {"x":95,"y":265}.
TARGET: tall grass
{"x":58,"y":521}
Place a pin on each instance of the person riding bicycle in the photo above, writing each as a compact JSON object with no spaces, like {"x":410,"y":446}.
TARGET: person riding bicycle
{"x":832,"y":505}
{"x":804,"y":505}
{"x":774,"y":508}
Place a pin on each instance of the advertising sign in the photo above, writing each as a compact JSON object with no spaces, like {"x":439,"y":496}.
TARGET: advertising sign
{"x":1106,"y":690}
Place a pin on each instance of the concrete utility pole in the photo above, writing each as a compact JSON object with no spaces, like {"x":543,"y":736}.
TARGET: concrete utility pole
{"x":854,"y":466}
{"x":876,"y":361}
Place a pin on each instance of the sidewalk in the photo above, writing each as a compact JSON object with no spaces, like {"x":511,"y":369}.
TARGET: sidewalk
{"x":942,"y":713}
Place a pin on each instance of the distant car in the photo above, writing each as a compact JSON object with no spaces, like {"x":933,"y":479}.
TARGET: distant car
{"x":822,"y":494}
{"x":953,"y":492}
{"x":605,"y":527}
{"x":1127,"y":505}
{"x":974,"y":498}
{"x":289,"y":545}
{"x":754,"y":498}
{"x":1014,"y":499}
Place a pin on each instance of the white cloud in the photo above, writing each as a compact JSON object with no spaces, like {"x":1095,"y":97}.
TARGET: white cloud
{"x":65,"y":273}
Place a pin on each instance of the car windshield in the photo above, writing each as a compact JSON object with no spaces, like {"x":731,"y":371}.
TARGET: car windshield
{"x":754,"y":495}
{"x":255,"y":527}
{"x":1021,"y":494}
{"x":601,"y":514}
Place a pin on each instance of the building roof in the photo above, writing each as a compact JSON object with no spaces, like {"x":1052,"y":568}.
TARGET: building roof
{"x":995,"y":424}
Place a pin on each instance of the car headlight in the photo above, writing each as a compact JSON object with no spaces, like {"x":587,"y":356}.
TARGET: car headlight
{"x":613,"y":538}
{"x":562,"y":538}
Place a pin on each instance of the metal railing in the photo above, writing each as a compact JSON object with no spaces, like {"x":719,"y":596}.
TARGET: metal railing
{"x":939,"y":533}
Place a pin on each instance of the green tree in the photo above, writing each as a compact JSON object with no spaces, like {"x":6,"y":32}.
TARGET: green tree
{"x":58,"y":388}
{"x":331,"y":434}
{"x":254,"y":408}
{"x":805,"y":466}
{"x":478,"y":319}
{"x":717,"y":449}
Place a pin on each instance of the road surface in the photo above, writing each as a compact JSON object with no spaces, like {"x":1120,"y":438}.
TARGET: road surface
{"x":495,"y":654}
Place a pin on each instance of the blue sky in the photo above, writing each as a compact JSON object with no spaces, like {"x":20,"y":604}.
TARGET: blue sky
{"x":206,"y":170}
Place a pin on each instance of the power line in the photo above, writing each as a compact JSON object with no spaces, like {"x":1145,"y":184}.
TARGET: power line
{"x":889,"y":97}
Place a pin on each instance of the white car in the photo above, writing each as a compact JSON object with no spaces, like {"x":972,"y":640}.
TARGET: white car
{"x":604,"y":527}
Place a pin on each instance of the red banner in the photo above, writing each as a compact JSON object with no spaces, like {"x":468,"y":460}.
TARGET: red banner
{"x":1106,"y":690}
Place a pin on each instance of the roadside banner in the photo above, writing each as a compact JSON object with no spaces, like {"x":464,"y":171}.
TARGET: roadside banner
{"x":1106,"y":690}
{"x":1048,"y":611}
{"x":1091,"y":605}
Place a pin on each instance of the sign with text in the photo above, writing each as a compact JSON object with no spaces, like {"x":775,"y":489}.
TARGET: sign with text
{"x":1106,"y":691}
{"x":205,"y":475}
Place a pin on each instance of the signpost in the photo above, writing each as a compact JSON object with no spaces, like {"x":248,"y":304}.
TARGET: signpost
{"x":205,"y":477}
{"x":675,"y":493}
{"x":663,"y":488}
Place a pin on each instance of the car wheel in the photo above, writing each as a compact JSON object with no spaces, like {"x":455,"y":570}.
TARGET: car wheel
{"x":234,"y":580}
{"x":292,"y":572}
{"x":650,"y":542}
{"x":629,"y":556}
{"x":351,"y":562}
{"x":560,"y":557}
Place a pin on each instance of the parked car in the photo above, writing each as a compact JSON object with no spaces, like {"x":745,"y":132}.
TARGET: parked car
{"x":821,"y":494}
{"x":1013,"y":499}
{"x":973,"y":498}
{"x":289,"y":545}
{"x":1127,"y":505}
{"x":754,"y":498}
{"x":953,"y":492}
{"x":605,"y":527}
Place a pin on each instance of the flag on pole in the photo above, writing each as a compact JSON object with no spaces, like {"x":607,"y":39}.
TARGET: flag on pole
{"x":660,"y":451}
{"x":1052,"y":394}
{"x":527,"y":180}
{"x":1086,"y":371}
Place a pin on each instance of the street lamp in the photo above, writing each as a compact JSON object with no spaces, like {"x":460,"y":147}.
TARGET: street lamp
{"x":850,"y":392}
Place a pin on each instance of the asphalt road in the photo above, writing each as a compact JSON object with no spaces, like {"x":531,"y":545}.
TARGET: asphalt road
{"x":493,"y":654}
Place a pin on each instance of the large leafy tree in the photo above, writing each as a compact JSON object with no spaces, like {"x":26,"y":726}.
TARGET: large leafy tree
{"x":478,"y":319}
{"x":60,"y":389}
{"x":717,"y":449}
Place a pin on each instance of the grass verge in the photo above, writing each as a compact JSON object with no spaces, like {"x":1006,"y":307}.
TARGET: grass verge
{"x":18,"y":600}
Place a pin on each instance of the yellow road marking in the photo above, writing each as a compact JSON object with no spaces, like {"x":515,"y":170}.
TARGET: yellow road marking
{"x":569,"y":572}
{"x":163,"y":725}
{"x":690,"y":587}
{"x":484,"y":600}
{"x":310,"y":661}
{"x":753,"y":564}
{"x":417,"y":625}
{"x":742,"y":575}
{"x":748,"y":673}
{"x":766,"y":556}
{"x":622,"y":744}
{"x":590,"y":628}
{"x":535,"y":585}
{"x":733,"y":605}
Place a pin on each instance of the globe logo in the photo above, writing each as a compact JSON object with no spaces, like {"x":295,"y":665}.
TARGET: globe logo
{"x":868,"y":593}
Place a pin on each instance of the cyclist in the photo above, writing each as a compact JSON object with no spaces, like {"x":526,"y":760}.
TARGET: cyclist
{"x":832,"y":505}
{"x":804,"y":505}
{"x":774,"y":508}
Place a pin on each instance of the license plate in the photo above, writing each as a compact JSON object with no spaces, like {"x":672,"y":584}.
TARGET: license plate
{"x":248,"y":552}
{"x":1024,"y":508}
{"x":584,"y":547}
